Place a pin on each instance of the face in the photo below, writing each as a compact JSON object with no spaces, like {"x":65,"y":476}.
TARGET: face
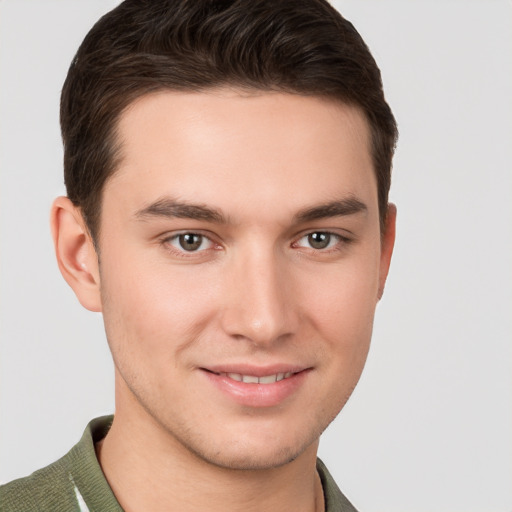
{"x":240,"y":266}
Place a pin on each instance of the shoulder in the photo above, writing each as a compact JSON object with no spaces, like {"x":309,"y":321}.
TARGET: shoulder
{"x":49,"y":488}
{"x":67,"y":484}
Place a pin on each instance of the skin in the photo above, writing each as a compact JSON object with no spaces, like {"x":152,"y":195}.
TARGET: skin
{"x":255,"y":294}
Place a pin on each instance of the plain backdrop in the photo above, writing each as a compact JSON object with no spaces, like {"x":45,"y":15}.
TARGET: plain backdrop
{"x":429,"y":428}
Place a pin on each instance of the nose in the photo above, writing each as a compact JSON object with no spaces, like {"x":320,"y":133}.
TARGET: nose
{"x":259,"y":303}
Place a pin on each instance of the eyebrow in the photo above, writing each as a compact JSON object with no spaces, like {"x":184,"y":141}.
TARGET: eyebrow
{"x":172,"y":208}
{"x":338,"y":208}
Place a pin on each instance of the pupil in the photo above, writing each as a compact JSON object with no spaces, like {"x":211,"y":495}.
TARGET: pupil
{"x":319,"y":240}
{"x":190,"y":242}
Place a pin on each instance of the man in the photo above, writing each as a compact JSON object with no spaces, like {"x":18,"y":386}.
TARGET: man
{"x":227,"y":168}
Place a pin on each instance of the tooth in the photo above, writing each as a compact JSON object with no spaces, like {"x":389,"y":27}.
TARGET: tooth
{"x":252,"y":379}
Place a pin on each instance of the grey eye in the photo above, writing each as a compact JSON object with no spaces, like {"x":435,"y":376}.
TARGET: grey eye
{"x":190,"y":241}
{"x":319,"y":240}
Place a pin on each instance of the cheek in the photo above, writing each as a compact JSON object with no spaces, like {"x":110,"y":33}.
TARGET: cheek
{"x":340,"y":309}
{"x":341,"y":304}
{"x":154,"y":309}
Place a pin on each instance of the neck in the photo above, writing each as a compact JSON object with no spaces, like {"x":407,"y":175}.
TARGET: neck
{"x":148,"y":469}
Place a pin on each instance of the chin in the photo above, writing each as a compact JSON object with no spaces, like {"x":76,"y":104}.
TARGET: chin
{"x":250,"y":460}
{"x":247,"y":451}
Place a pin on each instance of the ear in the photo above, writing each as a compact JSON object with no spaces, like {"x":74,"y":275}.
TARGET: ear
{"x":75,"y":251}
{"x":387,"y":244}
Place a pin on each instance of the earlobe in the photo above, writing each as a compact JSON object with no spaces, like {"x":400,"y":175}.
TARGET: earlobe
{"x":75,"y":252}
{"x":387,"y":244}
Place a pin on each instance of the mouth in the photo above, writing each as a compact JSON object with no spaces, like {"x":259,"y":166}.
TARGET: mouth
{"x":254,"y":379}
{"x":252,"y":386}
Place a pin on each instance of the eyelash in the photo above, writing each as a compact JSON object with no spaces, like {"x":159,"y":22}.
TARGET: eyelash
{"x":340,"y":242}
{"x":167,"y":243}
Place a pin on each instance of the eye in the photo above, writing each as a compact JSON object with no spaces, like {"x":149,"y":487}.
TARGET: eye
{"x":190,"y":242}
{"x":319,"y":240}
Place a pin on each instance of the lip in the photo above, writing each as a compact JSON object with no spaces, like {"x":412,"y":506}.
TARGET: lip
{"x":253,"y":394}
{"x":258,"y":371}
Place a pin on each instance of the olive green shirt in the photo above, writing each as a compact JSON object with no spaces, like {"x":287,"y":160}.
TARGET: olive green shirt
{"x":75,"y":483}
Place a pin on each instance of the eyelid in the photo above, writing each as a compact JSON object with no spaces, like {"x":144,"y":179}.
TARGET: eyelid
{"x":341,"y":239}
{"x":166,"y":238}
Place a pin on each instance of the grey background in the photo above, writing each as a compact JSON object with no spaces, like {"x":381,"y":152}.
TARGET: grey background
{"x":429,"y":427}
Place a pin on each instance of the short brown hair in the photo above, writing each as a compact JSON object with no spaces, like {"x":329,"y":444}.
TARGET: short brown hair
{"x":142,"y":46}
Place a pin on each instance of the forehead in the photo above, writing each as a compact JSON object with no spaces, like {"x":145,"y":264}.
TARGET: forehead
{"x":223,"y":146}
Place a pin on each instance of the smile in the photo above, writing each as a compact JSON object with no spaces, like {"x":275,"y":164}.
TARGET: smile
{"x":253,"y":379}
{"x":250,"y":386}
